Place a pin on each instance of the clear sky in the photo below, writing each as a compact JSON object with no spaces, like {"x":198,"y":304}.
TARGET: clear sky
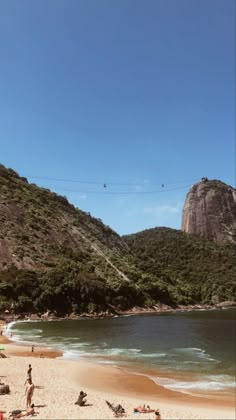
{"x":131,"y":93}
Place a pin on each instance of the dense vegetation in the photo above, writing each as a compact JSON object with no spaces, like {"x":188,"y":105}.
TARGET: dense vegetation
{"x":56,"y":257}
{"x":193,"y":269}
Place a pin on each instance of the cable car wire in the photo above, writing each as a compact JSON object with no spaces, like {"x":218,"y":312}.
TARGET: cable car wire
{"x":162,"y":184}
{"x":121,"y":192}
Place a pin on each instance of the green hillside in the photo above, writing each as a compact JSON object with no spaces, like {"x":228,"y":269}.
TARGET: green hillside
{"x":56,"y":257}
{"x":193,"y":269}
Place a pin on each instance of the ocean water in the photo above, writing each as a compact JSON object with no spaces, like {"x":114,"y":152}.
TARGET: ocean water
{"x":191,"y":352}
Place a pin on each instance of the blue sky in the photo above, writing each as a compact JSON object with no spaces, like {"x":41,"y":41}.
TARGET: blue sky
{"x":132,"y":93}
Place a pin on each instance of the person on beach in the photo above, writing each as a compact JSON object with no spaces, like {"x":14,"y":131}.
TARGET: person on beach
{"x":29,"y":375}
{"x":29,"y":372}
{"x":158,"y":415}
{"x":80,"y":401}
{"x":17,"y":414}
{"x":143,"y":409}
{"x":29,"y":390}
{"x":32,"y":348}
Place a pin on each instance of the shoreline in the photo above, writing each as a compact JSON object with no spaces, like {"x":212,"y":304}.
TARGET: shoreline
{"x":113,"y":383}
{"x":58,"y":382}
{"x":114,"y":312}
{"x":24,"y":349}
{"x":139,"y":384}
{"x":12,"y":348}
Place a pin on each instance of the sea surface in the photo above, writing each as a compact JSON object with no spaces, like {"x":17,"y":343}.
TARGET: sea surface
{"x":191,"y":352}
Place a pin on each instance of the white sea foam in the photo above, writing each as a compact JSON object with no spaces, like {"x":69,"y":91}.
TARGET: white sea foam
{"x":33,"y":330}
{"x":122,"y":351}
{"x":190,"y":350}
{"x":71,"y":355}
{"x":132,"y":353}
{"x":105,"y":362}
{"x":209,"y":383}
{"x":153,"y":355}
{"x":8,"y":327}
{"x":79,"y":350}
{"x":74,"y":347}
{"x":194,"y":352}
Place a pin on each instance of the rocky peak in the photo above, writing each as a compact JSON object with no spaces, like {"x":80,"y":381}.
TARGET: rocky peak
{"x":210,"y":211}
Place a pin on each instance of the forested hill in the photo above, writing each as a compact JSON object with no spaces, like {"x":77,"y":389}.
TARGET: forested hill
{"x":193,"y":269}
{"x":56,"y":257}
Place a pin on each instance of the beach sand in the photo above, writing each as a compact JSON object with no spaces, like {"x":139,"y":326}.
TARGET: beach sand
{"x":58,"y":382}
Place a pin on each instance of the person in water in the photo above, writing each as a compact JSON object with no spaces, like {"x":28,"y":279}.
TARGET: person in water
{"x":80,"y":401}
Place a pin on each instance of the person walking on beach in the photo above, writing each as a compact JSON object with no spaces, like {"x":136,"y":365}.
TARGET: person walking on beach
{"x":29,"y":390}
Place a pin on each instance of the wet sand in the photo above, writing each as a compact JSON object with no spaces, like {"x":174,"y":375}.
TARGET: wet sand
{"x":59,"y":381}
{"x":123,"y":382}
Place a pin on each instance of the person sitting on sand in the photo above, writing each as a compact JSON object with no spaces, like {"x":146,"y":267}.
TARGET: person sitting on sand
{"x":143,"y":409}
{"x":17,"y":414}
{"x":158,"y":415}
{"x":81,"y":397}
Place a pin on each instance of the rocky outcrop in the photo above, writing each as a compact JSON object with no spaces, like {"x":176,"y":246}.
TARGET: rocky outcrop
{"x":210,"y":211}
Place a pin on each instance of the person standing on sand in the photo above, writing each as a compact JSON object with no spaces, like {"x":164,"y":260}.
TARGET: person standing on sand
{"x":29,"y":390}
{"x":29,"y":374}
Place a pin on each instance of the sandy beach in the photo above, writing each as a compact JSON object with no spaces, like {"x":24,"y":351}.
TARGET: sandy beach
{"x":58,"y":383}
